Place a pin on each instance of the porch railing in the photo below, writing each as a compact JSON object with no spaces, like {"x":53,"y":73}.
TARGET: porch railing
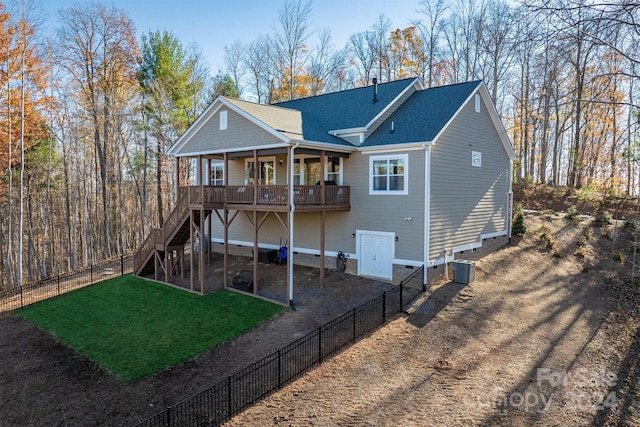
{"x":279,"y":194}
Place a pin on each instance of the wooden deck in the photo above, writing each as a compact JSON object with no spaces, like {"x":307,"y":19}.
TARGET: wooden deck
{"x":265,"y":198}
{"x":269,"y":197}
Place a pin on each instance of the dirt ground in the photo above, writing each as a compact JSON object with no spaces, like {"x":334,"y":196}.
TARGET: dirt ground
{"x":43,"y":382}
{"x":547,"y":334}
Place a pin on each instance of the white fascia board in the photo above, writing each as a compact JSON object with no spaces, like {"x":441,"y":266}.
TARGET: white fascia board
{"x":353,"y":131}
{"x":408,"y":146}
{"x":453,"y":117}
{"x":255,"y":121}
{"x":326,"y":146}
{"x":416,"y":82}
{"x":195,"y":126}
{"x":248,"y":148}
{"x":493,"y":113}
{"x":497,"y":123}
{"x":348,"y":133}
{"x":302,"y":144}
{"x":208,"y":113}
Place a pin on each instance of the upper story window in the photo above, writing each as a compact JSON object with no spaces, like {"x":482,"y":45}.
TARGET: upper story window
{"x":223,"y":120}
{"x":389,"y":174}
{"x":308,"y":171}
{"x":265,"y":172}
{"x":217,"y":174}
{"x":334,"y":170}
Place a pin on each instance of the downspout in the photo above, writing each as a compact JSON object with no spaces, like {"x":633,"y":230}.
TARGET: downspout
{"x":291,"y":215}
{"x":427,"y":211}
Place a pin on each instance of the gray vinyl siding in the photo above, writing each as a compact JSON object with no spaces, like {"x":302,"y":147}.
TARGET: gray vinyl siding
{"x":368,"y":212}
{"x":306,"y":225}
{"x":355,"y":140}
{"x":466,"y":201}
{"x":240,"y":133}
{"x":387,"y":212}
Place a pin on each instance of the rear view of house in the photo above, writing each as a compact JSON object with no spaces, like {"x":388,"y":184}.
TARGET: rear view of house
{"x":392,"y":175}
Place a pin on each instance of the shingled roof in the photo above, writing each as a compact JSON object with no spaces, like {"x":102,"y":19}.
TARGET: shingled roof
{"x":284,"y":120}
{"x":421,"y":117}
{"x":353,"y":108}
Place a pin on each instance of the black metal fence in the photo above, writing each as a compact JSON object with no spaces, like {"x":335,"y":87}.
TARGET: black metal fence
{"x":13,"y":299}
{"x":227,"y":398}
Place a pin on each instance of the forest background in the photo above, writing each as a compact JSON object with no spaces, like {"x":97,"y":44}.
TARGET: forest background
{"x":87,"y":115}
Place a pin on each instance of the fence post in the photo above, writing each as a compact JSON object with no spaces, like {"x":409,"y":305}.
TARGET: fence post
{"x":91,"y":274}
{"x":168,"y":416}
{"x":58,"y":284}
{"x":21,"y":298}
{"x":279,"y":368}
{"x":401,"y":291}
{"x":320,"y":345}
{"x":384,"y":307}
{"x":229,"y":397}
{"x":354,"y":324}
{"x":122,"y":265}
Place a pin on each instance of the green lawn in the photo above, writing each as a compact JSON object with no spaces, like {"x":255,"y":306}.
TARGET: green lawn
{"x":133,"y":327}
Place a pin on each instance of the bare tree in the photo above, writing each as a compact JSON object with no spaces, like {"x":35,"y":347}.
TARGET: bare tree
{"x":234,"y":55}
{"x":290,"y":39}
{"x":326,"y":65}
{"x":258,"y":60}
{"x":98,"y":50}
{"x":430,"y":31}
{"x":363,"y":50}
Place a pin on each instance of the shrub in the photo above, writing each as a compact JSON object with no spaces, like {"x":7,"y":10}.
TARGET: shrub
{"x":581,"y":252}
{"x":519,"y":227}
{"x":572,"y":212}
{"x":629,"y":225}
{"x":548,"y":240}
{"x":549,"y":212}
{"x":617,"y":256}
{"x":602,"y":218}
{"x":587,"y":234}
{"x":588,"y":194}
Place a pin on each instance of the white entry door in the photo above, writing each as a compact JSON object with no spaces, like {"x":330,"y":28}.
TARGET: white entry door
{"x":376,"y":250}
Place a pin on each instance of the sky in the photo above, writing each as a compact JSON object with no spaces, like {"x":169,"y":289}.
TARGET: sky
{"x":214,"y":24}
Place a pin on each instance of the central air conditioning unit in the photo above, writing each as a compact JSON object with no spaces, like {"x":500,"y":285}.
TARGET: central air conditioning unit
{"x":464,"y":271}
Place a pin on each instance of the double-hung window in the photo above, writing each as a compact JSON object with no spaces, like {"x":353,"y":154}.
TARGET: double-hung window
{"x":389,"y":174}
{"x":217,"y":174}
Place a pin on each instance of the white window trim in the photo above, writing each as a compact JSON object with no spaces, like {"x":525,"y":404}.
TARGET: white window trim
{"x":261,"y":159}
{"x":223,"y":120}
{"x":477,"y":103}
{"x":476,"y":159}
{"x":216,"y":164}
{"x":405,"y":159}
{"x":341,"y":166}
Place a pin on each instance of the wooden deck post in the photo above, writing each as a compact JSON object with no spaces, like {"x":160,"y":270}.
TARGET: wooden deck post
{"x":192,"y":240}
{"x":225,"y":224}
{"x":322,"y":225}
{"x":322,"y":218}
{"x":211,"y":214}
{"x":202,"y":247}
{"x":292,"y":209}
{"x":225,"y":262}
{"x":255,"y":248}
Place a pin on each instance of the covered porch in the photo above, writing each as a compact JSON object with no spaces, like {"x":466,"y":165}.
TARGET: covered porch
{"x":256,"y":185}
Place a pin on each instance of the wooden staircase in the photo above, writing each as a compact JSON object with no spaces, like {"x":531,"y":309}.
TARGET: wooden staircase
{"x":175,"y":233}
